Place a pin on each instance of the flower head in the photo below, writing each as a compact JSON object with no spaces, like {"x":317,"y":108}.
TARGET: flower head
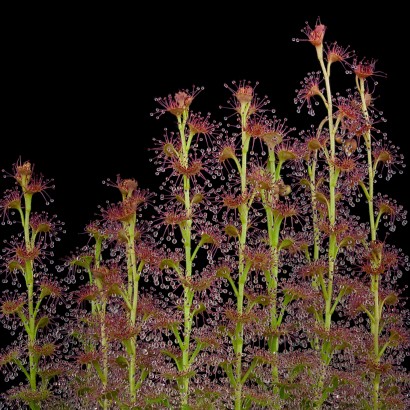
{"x":11,"y":200}
{"x":259,"y":258}
{"x":310,"y":89}
{"x":244,"y":100}
{"x":23,"y":172}
{"x":387,"y":157}
{"x":199,"y":125}
{"x":390,"y":210}
{"x":126,"y":186}
{"x":365,"y":69}
{"x":12,"y":305}
{"x":338,"y":54}
{"x":177,"y":104}
{"x":315,"y":35}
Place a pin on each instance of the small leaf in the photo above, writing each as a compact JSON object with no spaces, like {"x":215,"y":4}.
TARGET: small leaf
{"x":168,"y":263}
{"x":122,"y":362}
{"x":205,"y":238}
{"x":201,"y":308}
{"x":231,"y":230}
{"x":286,"y":243}
{"x":391,"y":299}
{"x":304,"y":182}
{"x":347,"y":241}
{"x":283,"y":394}
{"x":197,"y":198}
{"x":296,"y":371}
{"x":110,"y":395}
{"x":223,"y":272}
{"x":321,"y":198}
{"x":83,"y":261}
{"x":43,"y":322}
{"x":13,"y":265}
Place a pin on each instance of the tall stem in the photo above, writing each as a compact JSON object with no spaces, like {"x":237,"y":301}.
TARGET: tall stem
{"x":242,"y":271}
{"x":332,"y":250}
{"x":29,"y":278}
{"x":186,"y":230}
{"x":375,"y":280}
{"x":316,"y":231}
{"x":132,"y":267}
{"x":104,"y":350}
{"x":272,"y":285}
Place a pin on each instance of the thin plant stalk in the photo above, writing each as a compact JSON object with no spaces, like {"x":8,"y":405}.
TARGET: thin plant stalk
{"x":375,"y":279}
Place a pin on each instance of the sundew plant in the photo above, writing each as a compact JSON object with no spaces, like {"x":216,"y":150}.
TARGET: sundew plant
{"x":263,"y":274}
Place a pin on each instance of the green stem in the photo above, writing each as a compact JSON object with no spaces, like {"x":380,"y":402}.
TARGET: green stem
{"x":374,"y":287}
{"x":332,"y":250}
{"x":29,"y":278}
{"x":249,"y":371}
{"x":104,"y":350}
{"x":198,"y":247}
{"x":186,"y":231}
{"x":376,"y":224}
{"x":278,"y":169}
{"x":272,"y":162}
{"x":368,"y":142}
{"x":195,"y":353}
{"x":27,"y":207}
{"x":274,"y":225}
{"x":22,"y":368}
{"x":365,"y":191}
{"x":375,"y":328}
{"x":229,"y":372}
{"x":232,"y":283}
{"x":315,"y":221}
{"x":143,"y":376}
{"x":338,"y":299}
{"x":243,"y":272}
{"x":316,"y":231}
{"x":133,"y":293}
{"x":376,"y":388}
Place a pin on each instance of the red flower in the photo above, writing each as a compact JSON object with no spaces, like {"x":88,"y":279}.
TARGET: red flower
{"x":336,"y":53}
{"x":177,"y":104}
{"x":315,"y":36}
{"x":365,"y":69}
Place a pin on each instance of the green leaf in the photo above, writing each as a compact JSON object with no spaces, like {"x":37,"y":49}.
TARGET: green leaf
{"x":83,"y":390}
{"x":283,"y":394}
{"x":223,"y":272}
{"x":13,"y":265}
{"x":197,"y":198}
{"x":43,"y":322}
{"x":122,"y":362}
{"x":331,"y":388}
{"x":201,"y":308}
{"x":286,"y":243}
{"x":110,"y":395}
{"x":263,"y":300}
{"x":231,"y":230}
{"x":321,"y":198}
{"x":347,"y":241}
{"x":161,"y":399}
{"x":365,"y":405}
{"x":168,"y":263}
{"x":127,"y":345}
{"x":83,"y":261}
{"x":296,"y":371}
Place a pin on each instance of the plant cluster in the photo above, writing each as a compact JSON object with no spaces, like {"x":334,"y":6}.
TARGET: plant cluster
{"x":262,"y":274}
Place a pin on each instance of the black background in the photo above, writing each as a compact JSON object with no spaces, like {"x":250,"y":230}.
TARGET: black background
{"x":78,"y":86}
